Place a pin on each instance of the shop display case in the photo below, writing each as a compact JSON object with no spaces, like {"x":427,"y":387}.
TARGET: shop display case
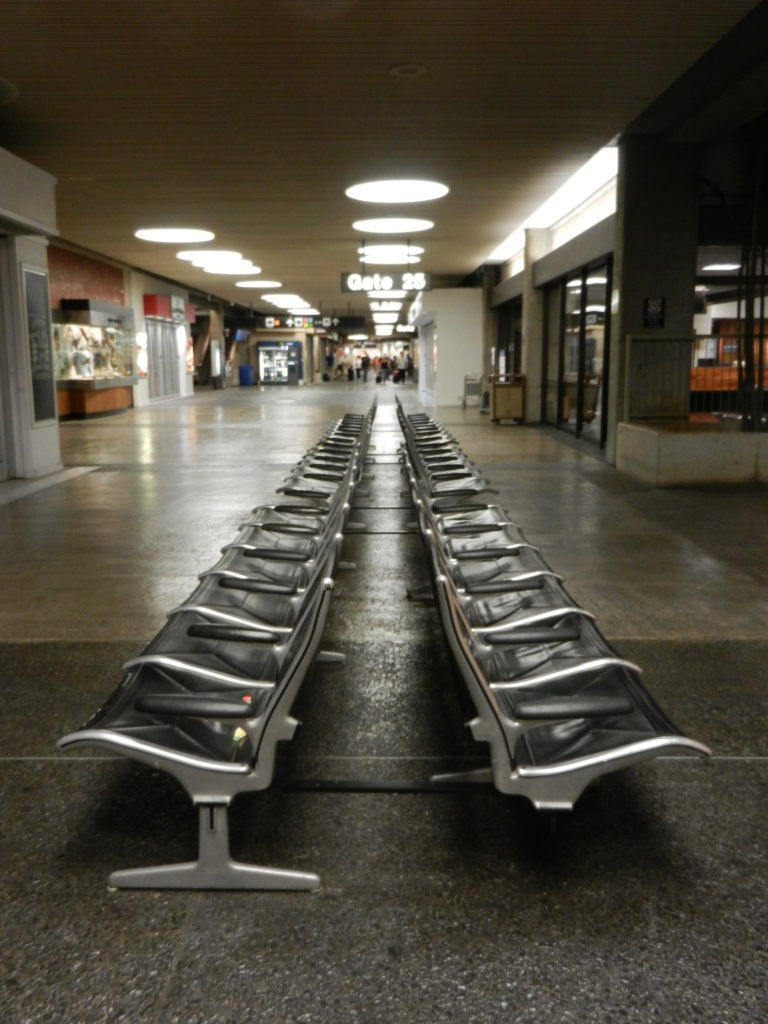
{"x":95,"y":355}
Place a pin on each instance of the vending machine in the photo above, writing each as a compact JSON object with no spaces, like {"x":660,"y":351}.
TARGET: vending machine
{"x":280,"y":363}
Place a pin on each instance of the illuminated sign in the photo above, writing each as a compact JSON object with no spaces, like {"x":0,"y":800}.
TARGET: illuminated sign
{"x":290,"y":321}
{"x":396,"y":281}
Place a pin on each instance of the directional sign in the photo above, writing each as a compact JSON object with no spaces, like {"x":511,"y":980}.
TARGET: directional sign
{"x":291,"y":321}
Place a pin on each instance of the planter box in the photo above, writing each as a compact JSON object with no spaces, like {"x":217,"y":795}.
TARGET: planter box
{"x":689,"y":454}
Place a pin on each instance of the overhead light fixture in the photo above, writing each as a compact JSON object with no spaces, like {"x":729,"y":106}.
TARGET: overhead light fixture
{"x":177,"y":235}
{"x":390,"y":254}
{"x":384,"y":330}
{"x":722,"y":267}
{"x":397,"y":190}
{"x":219,"y":261}
{"x":392,"y":225}
{"x":202,"y":256}
{"x":305,"y":311}
{"x":258,"y":284}
{"x":285,"y":300}
{"x":590,"y":177}
{"x":396,"y":293}
{"x":233,"y":268}
{"x":385,"y":318}
{"x":358,"y":337}
{"x":386,"y":307}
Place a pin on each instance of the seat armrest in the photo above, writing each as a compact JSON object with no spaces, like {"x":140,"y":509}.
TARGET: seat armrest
{"x":181,"y":705}
{"x":257,"y":586}
{"x":214,"y":631}
{"x":534,"y":635}
{"x":572,"y":707}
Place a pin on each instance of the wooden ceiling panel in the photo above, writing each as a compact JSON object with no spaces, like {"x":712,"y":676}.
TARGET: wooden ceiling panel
{"x":252,"y":118}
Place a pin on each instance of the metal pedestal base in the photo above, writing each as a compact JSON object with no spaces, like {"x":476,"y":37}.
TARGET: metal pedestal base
{"x":214,"y":868}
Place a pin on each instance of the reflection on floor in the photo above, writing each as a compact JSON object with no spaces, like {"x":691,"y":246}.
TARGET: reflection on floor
{"x":647,"y":904}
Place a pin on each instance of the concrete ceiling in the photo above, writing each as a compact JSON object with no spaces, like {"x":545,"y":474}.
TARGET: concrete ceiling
{"x":251,"y":118}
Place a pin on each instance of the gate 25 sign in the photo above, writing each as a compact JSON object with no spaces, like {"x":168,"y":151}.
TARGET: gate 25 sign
{"x":407,"y":281}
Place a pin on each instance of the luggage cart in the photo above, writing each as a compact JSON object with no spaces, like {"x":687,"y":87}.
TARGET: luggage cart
{"x":473,"y":390}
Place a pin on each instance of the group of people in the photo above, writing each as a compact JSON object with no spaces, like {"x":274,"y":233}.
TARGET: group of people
{"x":397,"y":368}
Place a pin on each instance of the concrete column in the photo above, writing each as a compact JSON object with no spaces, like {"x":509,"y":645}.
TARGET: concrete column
{"x":532,"y":354}
{"x":490,"y":327}
{"x":654,"y":257}
{"x":30,"y":442}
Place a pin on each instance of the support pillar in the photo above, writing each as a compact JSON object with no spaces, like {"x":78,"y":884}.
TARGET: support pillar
{"x":654,"y":277}
{"x":532,"y":355}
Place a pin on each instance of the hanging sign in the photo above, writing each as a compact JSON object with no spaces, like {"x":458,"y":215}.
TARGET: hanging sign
{"x":394,"y":281}
{"x":283,"y":321}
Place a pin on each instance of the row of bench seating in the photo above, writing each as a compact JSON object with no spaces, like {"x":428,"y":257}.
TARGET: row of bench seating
{"x":210,"y":696}
{"x":555,"y":702}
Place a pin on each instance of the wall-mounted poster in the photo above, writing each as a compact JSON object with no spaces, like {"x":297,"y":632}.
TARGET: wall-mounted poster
{"x":40,"y":350}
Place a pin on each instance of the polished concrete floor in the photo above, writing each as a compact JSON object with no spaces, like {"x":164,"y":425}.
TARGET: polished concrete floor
{"x":648,"y":903}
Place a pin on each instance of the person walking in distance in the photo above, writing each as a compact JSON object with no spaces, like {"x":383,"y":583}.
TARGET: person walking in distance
{"x":402,"y":367}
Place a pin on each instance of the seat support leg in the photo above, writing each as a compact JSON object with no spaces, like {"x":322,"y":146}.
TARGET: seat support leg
{"x":214,"y":868}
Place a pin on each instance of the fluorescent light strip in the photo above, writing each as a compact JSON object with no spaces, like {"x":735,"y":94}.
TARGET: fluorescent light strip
{"x":591,"y":177}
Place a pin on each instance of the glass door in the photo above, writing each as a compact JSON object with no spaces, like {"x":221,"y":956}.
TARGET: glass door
{"x":510,"y":333}
{"x":571,"y":347}
{"x":584,"y":353}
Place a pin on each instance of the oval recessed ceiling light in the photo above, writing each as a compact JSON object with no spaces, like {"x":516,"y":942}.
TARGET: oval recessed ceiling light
{"x":203,"y":256}
{"x":258,"y":284}
{"x":174,"y":235}
{"x":219,"y":261}
{"x":285,"y":300}
{"x":233,"y":267}
{"x":390,"y":254}
{"x":392,"y":225}
{"x":397,"y":190}
{"x":386,"y":307}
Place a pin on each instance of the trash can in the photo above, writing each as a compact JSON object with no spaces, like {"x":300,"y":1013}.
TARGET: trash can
{"x":246,"y":375}
{"x":507,"y":397}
